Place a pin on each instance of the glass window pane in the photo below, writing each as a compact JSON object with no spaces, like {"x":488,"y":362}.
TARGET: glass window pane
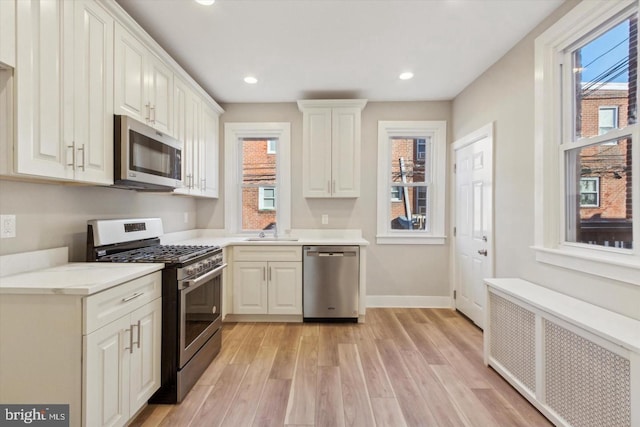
{"x":258,"y":213}
{"x":601,"y":78}
{"x":258,"y":166}
{"x":409,"y":157}
{"x":599,"y":196}
{"x":410,"y":212}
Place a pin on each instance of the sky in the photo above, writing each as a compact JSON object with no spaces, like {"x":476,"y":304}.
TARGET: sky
{"x":604,"y":53}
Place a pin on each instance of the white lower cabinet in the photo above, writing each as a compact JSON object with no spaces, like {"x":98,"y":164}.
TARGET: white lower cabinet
{"x":122,"y":368}
{"x":265,"y":286}
{"x":99,"y":354}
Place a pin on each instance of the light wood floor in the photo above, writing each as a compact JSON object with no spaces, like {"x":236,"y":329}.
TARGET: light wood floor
{"x":414,"y":367}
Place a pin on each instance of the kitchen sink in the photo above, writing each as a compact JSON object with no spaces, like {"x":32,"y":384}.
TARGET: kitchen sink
{"x":271,"y":239}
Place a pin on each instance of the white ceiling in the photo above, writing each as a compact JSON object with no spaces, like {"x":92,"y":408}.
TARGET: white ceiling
{"x":303,"y":49}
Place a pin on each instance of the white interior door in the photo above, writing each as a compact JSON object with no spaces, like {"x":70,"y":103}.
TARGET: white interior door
{"x":473,"y":221}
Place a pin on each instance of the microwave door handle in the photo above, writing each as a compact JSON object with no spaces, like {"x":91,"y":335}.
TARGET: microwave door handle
{"x":200,"y":280}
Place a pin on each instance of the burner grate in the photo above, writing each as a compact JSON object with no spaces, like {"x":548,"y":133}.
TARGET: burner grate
{"x":161,"y":253}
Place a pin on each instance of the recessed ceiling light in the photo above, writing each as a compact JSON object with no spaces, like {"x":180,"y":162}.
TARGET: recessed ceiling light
{"x":250,"y":80}
{"x":406,"y":76}
{"x":206,"y":2}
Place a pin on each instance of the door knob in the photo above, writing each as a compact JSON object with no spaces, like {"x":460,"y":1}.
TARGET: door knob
{"x":483,"y":252}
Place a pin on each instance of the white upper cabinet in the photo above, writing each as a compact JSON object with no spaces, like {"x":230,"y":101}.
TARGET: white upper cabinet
{"x":196,"y":124}
{"x":331,"y":147}
{"x":64,"y":87}
{"x":8,"y":33}
{"x":143,"y":83}
{"x":209,"y":150}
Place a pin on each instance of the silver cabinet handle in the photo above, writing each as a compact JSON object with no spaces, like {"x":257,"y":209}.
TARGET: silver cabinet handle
{"x":130,"y":348}
{"x":204,"y":184}
{"x":333,"y":187}
{"x":130,"y":297}
{"x":483,"y":252}
{"x":152,"y":109}
{"x":82,"y":157}
{"x":73,"y":154}
{"x":269,"y":273}
{"x":148,"y":118}
{"x":138,"y":342}
{"x":264,"y":273}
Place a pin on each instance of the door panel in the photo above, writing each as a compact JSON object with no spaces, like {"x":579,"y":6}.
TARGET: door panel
{"x":473,"y":254}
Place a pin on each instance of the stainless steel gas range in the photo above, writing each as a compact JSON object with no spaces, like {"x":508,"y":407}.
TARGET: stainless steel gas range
{"x":191,"y":296}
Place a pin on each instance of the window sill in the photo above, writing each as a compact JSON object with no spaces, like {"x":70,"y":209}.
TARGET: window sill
{"x":410,"y":240}
{"x":614,"y":266}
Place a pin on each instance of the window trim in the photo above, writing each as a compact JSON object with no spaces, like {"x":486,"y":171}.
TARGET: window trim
{"x":261,"y":198}
{"x":233,"y":134}
{"x":549,"y":245}
{"x":595,"y":179}
{"x":437,"y":131}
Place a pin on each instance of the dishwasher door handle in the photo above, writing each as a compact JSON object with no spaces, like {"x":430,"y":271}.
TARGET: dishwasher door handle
{"x":331,"y":254}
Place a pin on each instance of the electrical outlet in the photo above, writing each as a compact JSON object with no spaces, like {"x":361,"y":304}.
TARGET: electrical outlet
{"x":325,"y":219}
{"x":7,"y":226}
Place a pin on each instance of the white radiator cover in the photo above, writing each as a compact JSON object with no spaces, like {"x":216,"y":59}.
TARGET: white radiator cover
{"x":577,"y":363}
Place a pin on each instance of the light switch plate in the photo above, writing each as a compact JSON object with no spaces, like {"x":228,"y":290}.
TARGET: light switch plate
{"x":325,"y":219}
{"x":7,"y":226}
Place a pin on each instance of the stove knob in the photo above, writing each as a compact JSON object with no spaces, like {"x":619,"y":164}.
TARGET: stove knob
{"x":189,"y":271}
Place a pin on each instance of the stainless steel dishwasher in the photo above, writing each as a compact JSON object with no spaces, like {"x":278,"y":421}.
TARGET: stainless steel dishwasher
{"x":331,"y":283}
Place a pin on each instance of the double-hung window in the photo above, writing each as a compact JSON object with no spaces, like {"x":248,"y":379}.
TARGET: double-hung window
{"x":587,"y":141}
{"x":257,"y":177}
{"x":411,"y":182}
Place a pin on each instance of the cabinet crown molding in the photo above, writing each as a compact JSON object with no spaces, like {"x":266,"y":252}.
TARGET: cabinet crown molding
{"x":331,"y":103}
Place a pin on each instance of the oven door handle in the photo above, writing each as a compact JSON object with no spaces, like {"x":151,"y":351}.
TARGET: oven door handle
{"x":197,"y":282}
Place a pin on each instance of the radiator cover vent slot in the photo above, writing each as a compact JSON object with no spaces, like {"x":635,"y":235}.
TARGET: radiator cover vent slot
{"x":586,"y":384}
{"x":512,"y":339}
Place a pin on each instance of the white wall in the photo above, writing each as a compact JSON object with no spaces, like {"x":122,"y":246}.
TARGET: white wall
{"x":504,"y":94}
{"x":391,"y":270}
{"x":53,"y":215}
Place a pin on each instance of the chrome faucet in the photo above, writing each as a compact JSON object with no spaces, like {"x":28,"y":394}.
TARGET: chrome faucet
{"x":261,"y":235}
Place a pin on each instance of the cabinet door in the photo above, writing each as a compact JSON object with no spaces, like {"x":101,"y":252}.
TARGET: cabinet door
{"x":181,"y":94}
{"x":130,"y":63}
{"x":316,"y":160}
{"x":8,"y":32}
{"x":160,"y":94}
{"x":105,"y":373}
{"x":93,"y":99}
{"x":44,"y":88}
{"x":145,"y":360}
{"x":209,"y":152}
{"x":345,"y":152}
{"x":285,"y":287}
{"x":250,"y":288}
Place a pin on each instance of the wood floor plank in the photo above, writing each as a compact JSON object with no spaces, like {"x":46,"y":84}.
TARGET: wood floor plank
{"x":217,"y":403}
{"x":274,"y":334}
{"x":217,"y":366}
{"x":273,"y":404}
{"x":355,"y":396}
{"x":468,"y":405}
{"x":182,"y":414}
{"x":246,"y":400}
{"x":251,"y":344}
{"x":302,"y":398}
{"x":387,"y":412}
{"x":472,"y":376}
{"x":327,"y":346}
{"x":373,"y":369}
{"x":285,"y":362}
{"x":499,"y":408}
{"x":434,"y":394}
{"x":423,"y":343}
{"x":151,"y":416}
{"x":414,"y":408}
{"x":330,"y":410}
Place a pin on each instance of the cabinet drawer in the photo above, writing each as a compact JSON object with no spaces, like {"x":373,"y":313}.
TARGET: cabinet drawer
{"x":264,"y":253}
{"x":107,"y":306}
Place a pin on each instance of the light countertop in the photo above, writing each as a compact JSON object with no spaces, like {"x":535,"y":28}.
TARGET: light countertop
{"x":81,"y":278}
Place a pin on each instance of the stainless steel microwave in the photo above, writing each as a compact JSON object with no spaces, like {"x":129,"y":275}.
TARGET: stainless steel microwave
{"x":144,"y":158}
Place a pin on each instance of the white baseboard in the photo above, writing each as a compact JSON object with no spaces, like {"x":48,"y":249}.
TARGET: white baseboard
{"x":408,"y":301}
